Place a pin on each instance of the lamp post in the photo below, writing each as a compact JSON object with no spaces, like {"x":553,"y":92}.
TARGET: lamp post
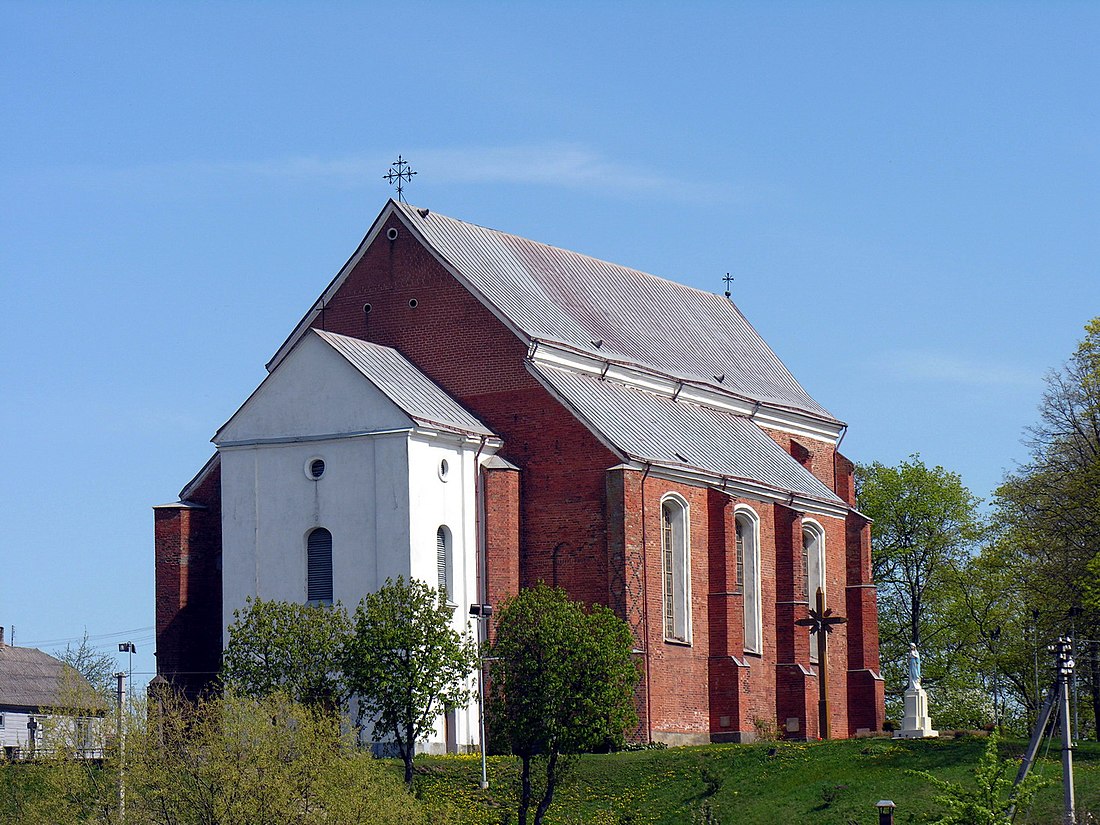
{"x":885,"y":811}
{"x":128,"y":647}
{"x":483,"y":612}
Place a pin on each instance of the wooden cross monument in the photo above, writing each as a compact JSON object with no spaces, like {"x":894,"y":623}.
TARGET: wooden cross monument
{"x":821,"y":622}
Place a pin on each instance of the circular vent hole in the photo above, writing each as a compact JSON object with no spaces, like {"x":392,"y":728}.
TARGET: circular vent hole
{"x":316,"y":468}
{"x":391,"y":233}
{"x":413,"y":303}
{"x":367,"y":308}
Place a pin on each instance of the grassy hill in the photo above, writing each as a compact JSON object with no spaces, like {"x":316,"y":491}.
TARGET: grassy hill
{"x":824,"y":782}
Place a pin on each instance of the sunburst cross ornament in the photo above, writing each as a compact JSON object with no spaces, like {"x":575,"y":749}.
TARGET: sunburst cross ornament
{"x":400,"y":173}
{"x":821,"y":622}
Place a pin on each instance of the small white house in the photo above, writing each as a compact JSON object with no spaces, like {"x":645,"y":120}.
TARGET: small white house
{"x":43,"y":702}
{"x":348,"y":466}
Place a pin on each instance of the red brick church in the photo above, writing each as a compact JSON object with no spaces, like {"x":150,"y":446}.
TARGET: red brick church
{"x":466,"y":403}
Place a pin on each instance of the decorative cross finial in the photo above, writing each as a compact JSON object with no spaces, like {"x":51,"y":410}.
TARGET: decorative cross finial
{"x":728,"y":281}
{"x":399,"y":173}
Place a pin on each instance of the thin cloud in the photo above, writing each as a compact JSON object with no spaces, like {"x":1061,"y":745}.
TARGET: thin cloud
{"x":565,"y":165}
{"x":951,"y":369}
{"x":560,"y":165}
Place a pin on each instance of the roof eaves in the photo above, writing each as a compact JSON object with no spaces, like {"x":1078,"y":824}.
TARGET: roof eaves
{"x":200,"y":477}
{"x":692,"y":382}
{"x":337,"y":281}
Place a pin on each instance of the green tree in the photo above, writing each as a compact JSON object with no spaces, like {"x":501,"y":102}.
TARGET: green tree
{"x":96,"y":667}
{"x":925,"y":525}
{"x":406,"y":663}
{"x":991,"y":799}
{"x":562,"y":682}
{"x":1049,"y":507}
{"x":281,"y":647}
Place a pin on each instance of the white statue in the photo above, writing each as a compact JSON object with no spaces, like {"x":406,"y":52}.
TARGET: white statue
{"x":914,"y":666}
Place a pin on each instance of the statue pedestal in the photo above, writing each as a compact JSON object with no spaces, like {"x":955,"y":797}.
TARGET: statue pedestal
{"x":916,"y":724}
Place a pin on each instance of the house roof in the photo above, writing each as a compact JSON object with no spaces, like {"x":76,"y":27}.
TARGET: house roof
{"x":680,"y":435}
{"x":612,"y":312}
{"x":30,"y":678}
{"x":405,"y":385}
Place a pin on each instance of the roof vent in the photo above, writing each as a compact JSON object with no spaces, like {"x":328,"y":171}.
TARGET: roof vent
{"x":598,"y":343}
{"x":391,"y":233}
{"x":422,"y":212}
{"x":720,"y":378}
{"x":682,"y":458}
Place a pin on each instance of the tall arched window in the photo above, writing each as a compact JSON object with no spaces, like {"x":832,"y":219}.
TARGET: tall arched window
{"x":813,"y":569}
{"x":319,"y":566}
{"x":443,"y":561}
{"x":675,"y":569}
{"x":748,"y":564}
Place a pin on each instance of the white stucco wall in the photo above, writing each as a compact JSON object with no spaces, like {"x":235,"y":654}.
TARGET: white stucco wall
{"x":381,"y":495}
{"x":435,"y":502}
{"x":270,"y":506}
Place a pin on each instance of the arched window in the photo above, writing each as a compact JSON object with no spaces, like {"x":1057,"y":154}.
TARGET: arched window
{"x":319,"y":566}
{"x":748,"y":567}
{"x":813,"y":569}
{"x":675,"y":569}
{"x":443,"y":561}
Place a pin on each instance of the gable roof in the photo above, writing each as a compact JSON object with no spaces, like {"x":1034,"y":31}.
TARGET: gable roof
{"x":30,"y":678}
{"x":683,"y":436}
{"x":418,"y":396}
{"x":544,"y":293}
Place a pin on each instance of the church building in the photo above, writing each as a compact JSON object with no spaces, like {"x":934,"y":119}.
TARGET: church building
{"x":485,"y":412}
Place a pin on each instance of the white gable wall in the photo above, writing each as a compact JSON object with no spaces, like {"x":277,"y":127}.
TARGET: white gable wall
{"x":381,"y":496}
{"x":314,"y":392}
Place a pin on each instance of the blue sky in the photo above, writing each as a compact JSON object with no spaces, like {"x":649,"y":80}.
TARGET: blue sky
{"x":907,"y":194}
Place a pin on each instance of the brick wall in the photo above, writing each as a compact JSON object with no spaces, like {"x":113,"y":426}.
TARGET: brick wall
{"x":187,"y":564}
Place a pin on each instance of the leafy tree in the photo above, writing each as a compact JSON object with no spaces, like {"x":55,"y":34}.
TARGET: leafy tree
{"x":1050,"y":506}
{"x":222,"y":761}
{"x":280,"y":647}
{"x":926,"y":522}
{"x":991,"y":799}
{"x":406,"y":663}
{"x":562,"y":682}
{"x":96,"y":667}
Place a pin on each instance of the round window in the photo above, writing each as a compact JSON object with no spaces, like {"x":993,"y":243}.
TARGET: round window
{"x":315,"y":468}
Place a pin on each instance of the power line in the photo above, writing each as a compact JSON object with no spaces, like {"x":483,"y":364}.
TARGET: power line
{"x":81,"y":638}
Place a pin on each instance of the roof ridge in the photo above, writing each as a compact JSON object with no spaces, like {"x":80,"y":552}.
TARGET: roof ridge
{"x":416,"y":213}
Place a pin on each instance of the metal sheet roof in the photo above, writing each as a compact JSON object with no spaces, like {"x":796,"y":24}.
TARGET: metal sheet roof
{"x":659,"y":430}
{"x":410,"y":389}
{"x":33,"y":679}
{"x":556,"y":295}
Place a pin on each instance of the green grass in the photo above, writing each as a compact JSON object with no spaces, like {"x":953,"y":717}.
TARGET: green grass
{"x":824,"y":782}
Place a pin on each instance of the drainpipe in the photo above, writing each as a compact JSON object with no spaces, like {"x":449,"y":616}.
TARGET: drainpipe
{"x":645,"y":617}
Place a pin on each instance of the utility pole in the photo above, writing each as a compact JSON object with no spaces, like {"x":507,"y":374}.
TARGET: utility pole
{"x":121,"y":734}
{"x":1057,"y":702}
{"x":1064,"y":649}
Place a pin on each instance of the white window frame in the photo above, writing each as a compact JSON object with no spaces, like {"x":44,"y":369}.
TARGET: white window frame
{"x":751,"y":589}
{"x":676,"y":569}
{"x":815,"y":569}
